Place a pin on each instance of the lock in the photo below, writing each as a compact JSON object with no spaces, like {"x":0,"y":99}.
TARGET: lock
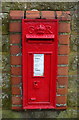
{"x":36,"y":84}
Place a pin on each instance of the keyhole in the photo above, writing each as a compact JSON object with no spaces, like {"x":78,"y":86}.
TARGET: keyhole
{"x":35,"y":82}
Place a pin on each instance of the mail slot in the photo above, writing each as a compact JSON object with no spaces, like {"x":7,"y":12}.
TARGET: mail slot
{"x":39,"y":63}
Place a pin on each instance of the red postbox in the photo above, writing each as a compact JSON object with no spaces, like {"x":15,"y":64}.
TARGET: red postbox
{"x":39,"y":60}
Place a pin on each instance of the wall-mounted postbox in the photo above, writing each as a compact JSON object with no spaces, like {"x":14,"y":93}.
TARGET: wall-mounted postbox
{"x":39,"y":60}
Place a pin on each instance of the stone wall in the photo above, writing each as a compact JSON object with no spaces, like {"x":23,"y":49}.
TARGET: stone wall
{"x":72,"y":84}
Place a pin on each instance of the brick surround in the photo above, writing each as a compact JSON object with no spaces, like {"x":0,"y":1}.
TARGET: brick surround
{"x":63,"y":52}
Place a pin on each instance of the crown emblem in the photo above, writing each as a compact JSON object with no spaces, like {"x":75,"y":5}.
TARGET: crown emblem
{"x":40,"y":29}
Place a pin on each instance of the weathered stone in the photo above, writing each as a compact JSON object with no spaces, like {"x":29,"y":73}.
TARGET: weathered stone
{"x":5,"y":43}
{"x":72,"y":87}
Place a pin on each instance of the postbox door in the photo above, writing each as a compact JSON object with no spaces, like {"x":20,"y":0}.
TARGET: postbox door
{"x":39,"y":78}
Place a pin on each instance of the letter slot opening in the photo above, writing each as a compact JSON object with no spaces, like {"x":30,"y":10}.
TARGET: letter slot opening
{"x":40,"y":38}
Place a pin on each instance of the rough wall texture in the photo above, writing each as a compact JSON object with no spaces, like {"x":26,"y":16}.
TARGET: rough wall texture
{"x":71,"y":111}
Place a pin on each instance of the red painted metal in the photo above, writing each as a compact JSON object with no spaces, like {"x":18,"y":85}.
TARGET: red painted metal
{"x":39,"y":60}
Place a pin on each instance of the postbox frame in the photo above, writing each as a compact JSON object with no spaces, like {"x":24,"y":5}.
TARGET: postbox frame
{"x":24,"y":70}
